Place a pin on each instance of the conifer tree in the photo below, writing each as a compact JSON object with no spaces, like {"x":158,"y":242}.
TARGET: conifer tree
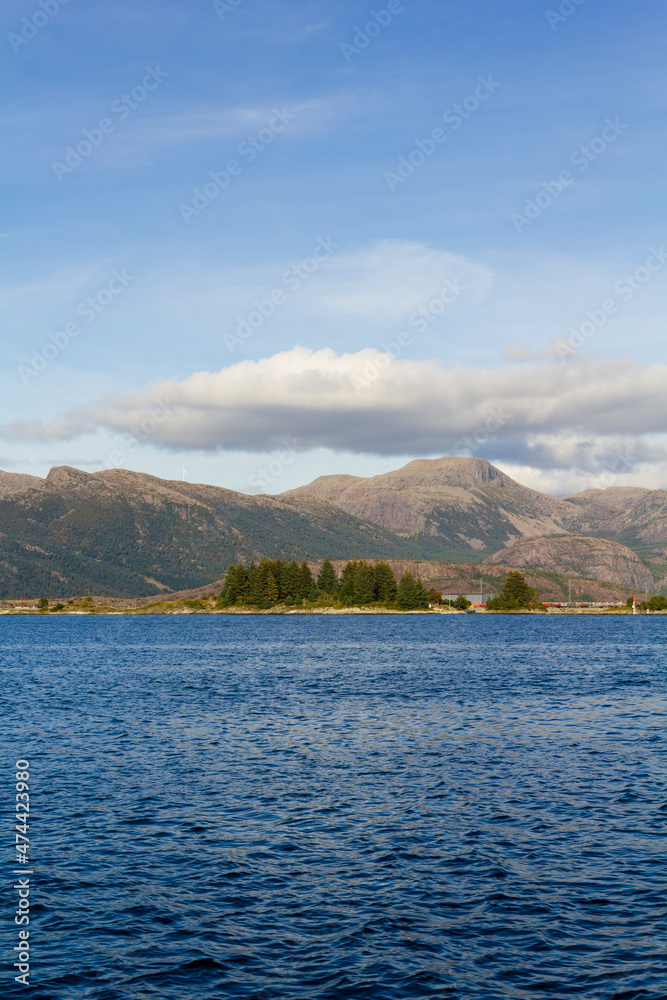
{"x":263,"y":571}
{"x":282,"y":575}
{"x":385,"y":583}
{"x":294,"y":579}
{"x":272,"y":593}
{"x":346,"y":585}
{"x":275,"y":566}
{"x":327,"y":580}
{"x":255,"y":588}
{"x":515,"y":594}
{"x":364,"y":584}
{"x":421,"y":594}
{"x":411,"y":593}
{"x":228,"y":592}
{"x":306,"y":582}
{"x":242,"y":582}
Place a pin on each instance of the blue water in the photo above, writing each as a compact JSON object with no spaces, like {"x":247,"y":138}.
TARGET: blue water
{"x":363,"y":807}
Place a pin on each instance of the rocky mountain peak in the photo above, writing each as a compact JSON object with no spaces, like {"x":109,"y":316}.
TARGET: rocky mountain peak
{"x":454,"y":471}
{"x":65,"y":475}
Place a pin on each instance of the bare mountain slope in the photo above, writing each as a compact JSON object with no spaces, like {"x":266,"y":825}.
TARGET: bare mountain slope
{"x":576,"y":555}
{"x":630,"y":515}
{"x":10,"y":482}
{"x":458,"y":506}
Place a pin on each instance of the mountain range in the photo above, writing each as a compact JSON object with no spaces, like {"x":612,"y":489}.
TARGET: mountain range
{"x":469,"y":510}
{"x":121,"y":533}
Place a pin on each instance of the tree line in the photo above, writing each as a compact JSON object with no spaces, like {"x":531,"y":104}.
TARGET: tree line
{"x":275,"y":581}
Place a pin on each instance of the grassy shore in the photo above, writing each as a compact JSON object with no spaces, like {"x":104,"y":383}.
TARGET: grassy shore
{"x":211,"y":607}
{"x":208,"y":605}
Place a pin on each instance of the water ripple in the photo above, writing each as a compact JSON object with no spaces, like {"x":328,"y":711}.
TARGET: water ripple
{"x":314,"y":809}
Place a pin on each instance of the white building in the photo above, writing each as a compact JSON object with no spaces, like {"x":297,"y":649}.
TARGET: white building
{"x":473,"y":598}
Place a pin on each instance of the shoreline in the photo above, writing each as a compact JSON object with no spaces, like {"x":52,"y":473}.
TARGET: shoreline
{"x":178,"y":608}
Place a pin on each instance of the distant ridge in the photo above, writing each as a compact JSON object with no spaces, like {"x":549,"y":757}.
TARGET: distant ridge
{"x":464,"y":502}
{"x":10,"y":482}
{"x":128,"y":534}
{"x":466,"y":508}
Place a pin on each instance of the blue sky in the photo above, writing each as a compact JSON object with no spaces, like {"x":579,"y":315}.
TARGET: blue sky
{"x":530,"y":137}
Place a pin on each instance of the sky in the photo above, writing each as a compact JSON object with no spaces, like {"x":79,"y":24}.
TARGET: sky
{"x":253,"y":243}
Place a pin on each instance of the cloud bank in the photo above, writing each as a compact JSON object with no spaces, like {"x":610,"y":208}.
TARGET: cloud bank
{"x":587,"y":414}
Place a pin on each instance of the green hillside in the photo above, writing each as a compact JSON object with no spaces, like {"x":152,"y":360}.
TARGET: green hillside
{"x":125,"y":534}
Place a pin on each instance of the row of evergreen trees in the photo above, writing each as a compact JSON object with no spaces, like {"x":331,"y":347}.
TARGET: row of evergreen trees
{"x":274,"y":581}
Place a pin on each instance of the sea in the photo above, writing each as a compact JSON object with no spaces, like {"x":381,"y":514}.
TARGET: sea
{"x":327,"y":807}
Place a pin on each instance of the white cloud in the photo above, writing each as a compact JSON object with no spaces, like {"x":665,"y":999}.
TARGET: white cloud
{"x":563,"y":482}
{"x":593,"y":415}
{"x":145,"y":135}
{"x":155,"y":127}
{"x":358,"y":295}
{"x":388,"y":280}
